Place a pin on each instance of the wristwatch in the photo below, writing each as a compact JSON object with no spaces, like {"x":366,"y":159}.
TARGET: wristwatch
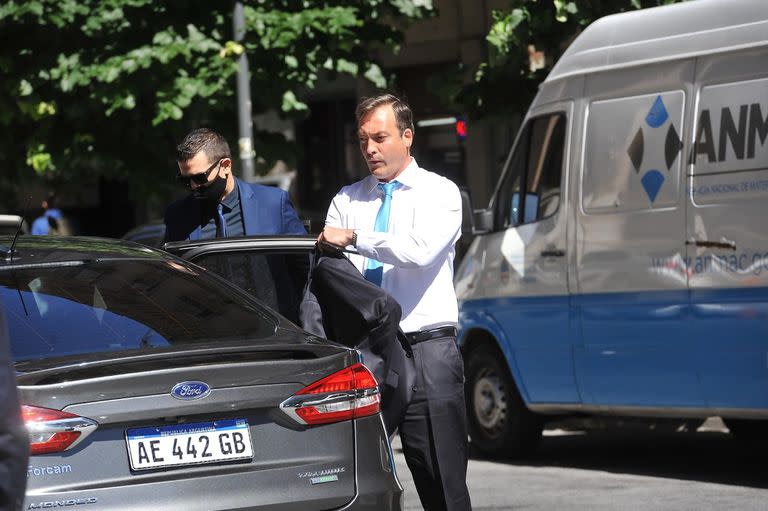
{"x":354,"y":239}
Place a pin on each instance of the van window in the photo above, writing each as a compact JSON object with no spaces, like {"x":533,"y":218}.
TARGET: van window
{"x":632,"y":153}
{"x":531,"y":187}
{"x":730,"y":152}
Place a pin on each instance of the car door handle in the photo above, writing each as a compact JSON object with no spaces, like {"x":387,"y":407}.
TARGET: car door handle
{"x":725,"y":243}
{"x":553,"y":253}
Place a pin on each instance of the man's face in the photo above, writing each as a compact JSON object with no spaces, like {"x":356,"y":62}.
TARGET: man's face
{"x":385,"y":150}
{"x":194,"y":170}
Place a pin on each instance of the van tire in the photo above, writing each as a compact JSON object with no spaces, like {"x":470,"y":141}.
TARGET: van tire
{"x":499,"y":422}
{"x":749,"y":431}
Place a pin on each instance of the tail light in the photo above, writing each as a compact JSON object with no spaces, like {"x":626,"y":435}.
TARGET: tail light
{"x":347,"y":394}
{"x":53,"y":430}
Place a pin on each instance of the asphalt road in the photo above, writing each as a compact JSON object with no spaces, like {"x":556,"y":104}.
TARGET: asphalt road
{"x":626,"y":466}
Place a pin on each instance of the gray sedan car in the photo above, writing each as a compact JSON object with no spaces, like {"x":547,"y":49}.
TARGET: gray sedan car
{"x":149,"y":382}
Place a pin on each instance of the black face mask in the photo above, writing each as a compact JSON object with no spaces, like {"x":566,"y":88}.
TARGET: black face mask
{"x":213,"y":191}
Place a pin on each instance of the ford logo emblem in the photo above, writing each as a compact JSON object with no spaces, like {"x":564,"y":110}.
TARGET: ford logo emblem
{"x":189,"y":390}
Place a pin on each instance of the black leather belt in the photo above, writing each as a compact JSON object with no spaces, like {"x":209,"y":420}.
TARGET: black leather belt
{"x":428,"y":335}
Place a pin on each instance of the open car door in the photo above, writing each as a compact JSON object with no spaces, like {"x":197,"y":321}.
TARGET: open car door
{"x":271,"y":268}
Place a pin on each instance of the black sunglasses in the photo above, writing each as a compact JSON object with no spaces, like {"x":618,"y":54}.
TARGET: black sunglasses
{"x":199,"y":178}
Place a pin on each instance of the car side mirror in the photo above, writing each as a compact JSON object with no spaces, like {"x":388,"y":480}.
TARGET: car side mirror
{"x":474,"y":221}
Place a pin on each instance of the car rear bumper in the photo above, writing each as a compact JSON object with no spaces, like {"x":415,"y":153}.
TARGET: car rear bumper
{"x":378,"y":487}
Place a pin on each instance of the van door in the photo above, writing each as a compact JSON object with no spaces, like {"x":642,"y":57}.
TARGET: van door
{"x":523,"y":284}
{"x":727,"y":237}
{"x":632,"y":281}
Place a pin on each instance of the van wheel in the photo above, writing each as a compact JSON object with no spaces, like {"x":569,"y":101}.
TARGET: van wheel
{"x":499,"y":422}
{"x":750,"y":432}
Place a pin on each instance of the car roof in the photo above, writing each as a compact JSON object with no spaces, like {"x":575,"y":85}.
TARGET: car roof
{"x":10,"y":219}
{"x":56,"y":249}
{"x":665,"y":33}
{"x":265,"y":239}
{"x":188,"y":249}
{"x":153,"y":226}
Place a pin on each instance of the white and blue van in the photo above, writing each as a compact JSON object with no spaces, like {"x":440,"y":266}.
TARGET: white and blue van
{"x":623,"y":267}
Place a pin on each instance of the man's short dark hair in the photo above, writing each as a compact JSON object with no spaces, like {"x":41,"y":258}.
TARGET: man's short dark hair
{"x":403,"y":114}
{"x":51,"y":201}
{"x":209,"y":141}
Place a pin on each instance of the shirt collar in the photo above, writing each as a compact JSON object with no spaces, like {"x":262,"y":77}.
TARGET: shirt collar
{"x":408,"y":177}
{"x":231,"y":200}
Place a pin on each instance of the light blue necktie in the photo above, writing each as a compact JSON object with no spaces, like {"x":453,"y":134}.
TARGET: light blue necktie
{"x":374,"y":270}
{"x":221,"y":228}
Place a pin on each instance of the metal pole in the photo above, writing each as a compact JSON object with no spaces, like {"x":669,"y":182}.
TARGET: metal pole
{"x":244,"y":118}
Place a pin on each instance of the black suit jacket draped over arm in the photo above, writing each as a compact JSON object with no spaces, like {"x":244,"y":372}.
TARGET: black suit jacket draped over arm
{"x":341,"y":305}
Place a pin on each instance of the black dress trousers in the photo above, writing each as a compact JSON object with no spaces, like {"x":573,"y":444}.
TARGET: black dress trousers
{"x":434,"y":431}
{"x":422,"y":386}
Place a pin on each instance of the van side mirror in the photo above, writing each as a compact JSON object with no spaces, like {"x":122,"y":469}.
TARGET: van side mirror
{"x":531,"y":208}
{"x":474,"y":221}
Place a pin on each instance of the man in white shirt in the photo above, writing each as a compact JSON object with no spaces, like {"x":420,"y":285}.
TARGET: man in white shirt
{"x":404,"y":222}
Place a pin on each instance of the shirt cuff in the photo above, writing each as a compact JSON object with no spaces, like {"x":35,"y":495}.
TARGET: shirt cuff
{"x":367,"y":241}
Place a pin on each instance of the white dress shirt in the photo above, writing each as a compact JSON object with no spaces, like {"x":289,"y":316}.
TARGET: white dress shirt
{"x":418,"y":250}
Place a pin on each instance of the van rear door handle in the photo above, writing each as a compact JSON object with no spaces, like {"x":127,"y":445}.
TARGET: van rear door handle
{"x":553,"y":253}
{"x":725,"y":243}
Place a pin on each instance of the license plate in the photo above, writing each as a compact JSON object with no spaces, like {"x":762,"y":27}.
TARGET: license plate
{"x":189,"y":444}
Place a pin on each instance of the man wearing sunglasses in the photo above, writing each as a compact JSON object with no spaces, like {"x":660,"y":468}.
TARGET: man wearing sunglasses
{"x":219,"y":204}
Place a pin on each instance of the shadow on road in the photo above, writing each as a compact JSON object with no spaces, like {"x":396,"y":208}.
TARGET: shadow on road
{"x":711,"y":456}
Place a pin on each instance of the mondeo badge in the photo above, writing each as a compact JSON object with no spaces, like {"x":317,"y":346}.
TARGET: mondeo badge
{"x":189,"y":390}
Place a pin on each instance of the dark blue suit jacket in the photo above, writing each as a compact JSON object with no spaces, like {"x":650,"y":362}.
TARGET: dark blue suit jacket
{"x":266,"y":210}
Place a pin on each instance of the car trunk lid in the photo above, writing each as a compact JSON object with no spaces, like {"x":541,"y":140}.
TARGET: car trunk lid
{"x":221,"y":443}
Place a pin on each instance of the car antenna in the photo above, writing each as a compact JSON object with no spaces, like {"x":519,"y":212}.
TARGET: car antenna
{"x":9,"y":254}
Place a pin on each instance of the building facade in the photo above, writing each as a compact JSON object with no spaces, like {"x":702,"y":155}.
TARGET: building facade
{"x":470,"y":152}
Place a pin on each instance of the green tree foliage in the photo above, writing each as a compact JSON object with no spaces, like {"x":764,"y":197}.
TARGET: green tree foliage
{"x":105,"y":87}
{"x":507,"y":81}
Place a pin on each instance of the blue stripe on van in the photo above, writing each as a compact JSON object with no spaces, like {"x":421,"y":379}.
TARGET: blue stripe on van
{"x":635,"y":350}
{"x":662,"y":348}
{"x":730,"y":330}
{"x":537,"y":342}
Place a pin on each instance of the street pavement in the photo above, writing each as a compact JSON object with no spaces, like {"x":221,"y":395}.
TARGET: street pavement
{"x":621,"y":467}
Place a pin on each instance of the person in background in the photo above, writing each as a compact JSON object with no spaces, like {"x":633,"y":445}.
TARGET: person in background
{"x":52,"y":220}
{"x":404,"y":222}
{"x":219,"y":204}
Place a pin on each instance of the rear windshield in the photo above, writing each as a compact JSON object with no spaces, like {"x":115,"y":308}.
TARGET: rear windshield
{"x":122,"y":305}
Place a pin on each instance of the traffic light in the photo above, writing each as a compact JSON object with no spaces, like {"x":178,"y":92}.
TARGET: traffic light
{"x":461,"y":129}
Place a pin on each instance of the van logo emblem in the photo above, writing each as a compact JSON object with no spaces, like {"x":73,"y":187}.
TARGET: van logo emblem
{"x":653,"y":179}
{"x":190,"y":390}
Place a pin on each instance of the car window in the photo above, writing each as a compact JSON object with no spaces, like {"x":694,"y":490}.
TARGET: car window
{"x":276,"y":278}
{"x":122,"y":305}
